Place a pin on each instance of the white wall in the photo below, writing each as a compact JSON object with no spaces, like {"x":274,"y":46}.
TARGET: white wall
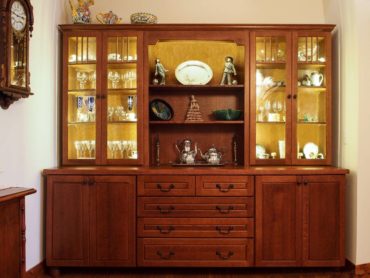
{"x":341,"y":13}
{"x":29,"y":128}
{"x":362,"y":25}
{"x":352,"y":17}
{"x":27,"y":140}
{"x":217,"y":11}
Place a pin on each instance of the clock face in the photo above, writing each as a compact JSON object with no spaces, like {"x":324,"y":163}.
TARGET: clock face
{"x":18,"y":17}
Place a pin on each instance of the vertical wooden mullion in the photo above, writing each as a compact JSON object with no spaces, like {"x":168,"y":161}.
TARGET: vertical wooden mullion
{"x":87,"y":50}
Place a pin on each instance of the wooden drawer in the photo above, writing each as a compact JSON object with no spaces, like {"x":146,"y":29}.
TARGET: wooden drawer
{"x":225,"y":186}
{"x":195,"y":227}
{"x":195,"y":207}
{"x":166,"y":186}
{"x":195,"y":252}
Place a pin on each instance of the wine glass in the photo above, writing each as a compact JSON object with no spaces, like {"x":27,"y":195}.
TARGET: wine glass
{"x":89,"y":148}
{"x":267,"y":106}
{"x":82,"y":77}
{"x":114,"y":77}
{"x":261,"y":109}
{"x":78,"y":148}
{"x":110,"y":147}
{"x":110,"y":112}
{"x":132,"y":79}
{"x":92,"y":79}
{"x":125,"y":79}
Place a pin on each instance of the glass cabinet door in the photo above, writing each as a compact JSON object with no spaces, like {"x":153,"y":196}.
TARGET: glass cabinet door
{"x":312,"y":101}
{"x":270,"y":98}
{"x":80,"y":99}
{"x":121,"y":106}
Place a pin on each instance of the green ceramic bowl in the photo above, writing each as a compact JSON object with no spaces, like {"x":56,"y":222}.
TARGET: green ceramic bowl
{"x":227,"y":114}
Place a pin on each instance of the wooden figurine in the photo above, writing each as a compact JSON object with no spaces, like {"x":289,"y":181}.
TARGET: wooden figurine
{"x":193,"y":114}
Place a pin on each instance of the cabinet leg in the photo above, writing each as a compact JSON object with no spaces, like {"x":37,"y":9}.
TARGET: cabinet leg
{"x":54,"y":272}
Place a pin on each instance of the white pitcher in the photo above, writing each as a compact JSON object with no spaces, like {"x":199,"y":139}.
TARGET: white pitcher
{"x":316,"y":78}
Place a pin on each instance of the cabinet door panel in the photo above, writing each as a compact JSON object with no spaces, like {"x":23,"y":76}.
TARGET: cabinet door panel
{"x":278,"y":217}
{"x":10,"y":240}
{"x":312,"y":98}
{"x":81,"y":105}
{"x":67,"y":221}
{"x":323,"y":238}
{"x":113,"y":221}
{"x":270,"y":98}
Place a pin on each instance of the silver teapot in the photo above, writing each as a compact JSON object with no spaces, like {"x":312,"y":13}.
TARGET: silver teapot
{"x":186,"y":154}
{"x":212,"y":156}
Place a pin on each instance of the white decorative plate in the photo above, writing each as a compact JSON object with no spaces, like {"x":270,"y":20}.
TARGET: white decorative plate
{"x":193,"y":73}
{"x":310,"y":150}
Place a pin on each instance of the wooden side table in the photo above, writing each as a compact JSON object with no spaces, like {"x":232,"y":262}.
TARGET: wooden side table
{"x":13,"y":231}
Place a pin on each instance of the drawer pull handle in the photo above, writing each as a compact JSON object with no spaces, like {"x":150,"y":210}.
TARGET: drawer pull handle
{"x":165,"y":210}
{"x":224,"y":257}
{"x":224,"y":210}
{"x":165,"y":257}
{"x":224,"y":230}
{"x":159,"y":186}
{"x":224,"y":190}
{"x":164,"y":230}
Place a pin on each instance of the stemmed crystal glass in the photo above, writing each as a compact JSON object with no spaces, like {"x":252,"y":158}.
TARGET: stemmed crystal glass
{"x":132,"y":79}
{"x":78,"y":147}
{"x":90,"y":146}
{"x":110,"y":113}
{"x":82,"y":77}
{"x":260,"y":116}
{"x":114,"y":77}
{"x":110,"y":147}
{"x":92,"y":79}
{"x":125,"y":80}
{"x":267,"y":107}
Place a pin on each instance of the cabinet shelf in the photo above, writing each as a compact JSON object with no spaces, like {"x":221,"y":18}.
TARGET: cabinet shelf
{"x":114,"y":62}
{"x":122,"y":91}
{"x":312,"y":88}
{"x":309,"y":65}
{"x":121,"y":122}
{"x":82,"y":63}
{"x":311,"y":123}
{"x":196,"y":123}
{"x":203,"y":88}
{"x":275,"y":123}
{"x":271,"y":65}
{"x":79,"y":91}
{"x":81,"y":123}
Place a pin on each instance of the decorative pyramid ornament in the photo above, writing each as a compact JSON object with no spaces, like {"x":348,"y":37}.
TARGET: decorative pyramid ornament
{"x":193,"y":114}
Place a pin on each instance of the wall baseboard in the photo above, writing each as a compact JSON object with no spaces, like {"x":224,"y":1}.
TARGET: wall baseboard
{"x":362,"y":269}
{"x":37,"y":271}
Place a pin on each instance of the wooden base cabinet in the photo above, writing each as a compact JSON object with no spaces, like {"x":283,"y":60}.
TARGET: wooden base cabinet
{"x":91,"y":221}
{"x":300,"y":220}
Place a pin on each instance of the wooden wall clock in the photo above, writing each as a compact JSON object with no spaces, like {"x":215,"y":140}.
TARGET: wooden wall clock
{"x":16,"y":18}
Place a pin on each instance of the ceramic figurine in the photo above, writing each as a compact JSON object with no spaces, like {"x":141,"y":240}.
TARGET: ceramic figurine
{"x":228,"y":71}
{"x":81,"y":13}
{"x":160,"y":72}
{"x":108,"y":18}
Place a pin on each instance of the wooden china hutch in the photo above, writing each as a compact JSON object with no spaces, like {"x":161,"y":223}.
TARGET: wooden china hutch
{"x":121,"y":197}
